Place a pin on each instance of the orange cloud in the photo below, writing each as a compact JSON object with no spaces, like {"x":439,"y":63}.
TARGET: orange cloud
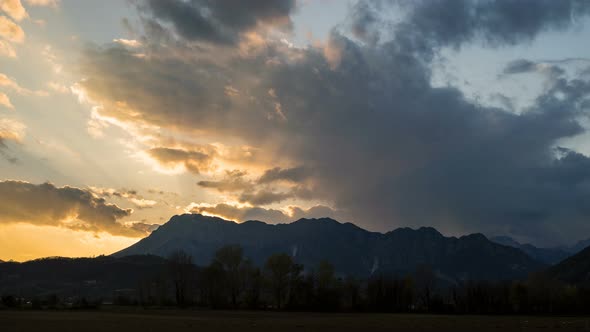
{"x":14,"y":8}
{"x":67,"y":207}
{"x":11,"y":31}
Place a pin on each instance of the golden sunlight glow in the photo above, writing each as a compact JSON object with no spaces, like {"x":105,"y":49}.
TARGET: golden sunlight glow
{"x":22,"y":242}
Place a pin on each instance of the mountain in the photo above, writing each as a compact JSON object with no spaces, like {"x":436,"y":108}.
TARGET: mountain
{"x":579,"y":246}
{"x":574,"y":270}
{"x":548,"y":256}
{"x":352,"y":250}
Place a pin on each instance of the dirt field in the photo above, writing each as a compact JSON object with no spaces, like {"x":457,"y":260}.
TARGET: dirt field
{"x":171,"y":321}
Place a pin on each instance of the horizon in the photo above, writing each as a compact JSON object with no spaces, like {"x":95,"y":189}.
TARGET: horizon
{"x":464,"y":116}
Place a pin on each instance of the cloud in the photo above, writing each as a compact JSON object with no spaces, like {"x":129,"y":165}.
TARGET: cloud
{"x":128,"y":194}
{"x":218,"y":22}
{"x":7,"y":50}
{"x":264,"y":197}
{"x":431,"y":24}
{"x":193,"y":161}
{"x":43,"y":3}
{"x":68,"y":207}
{"x":10,"y":131}
{"x":143,"y":203}
{"x":8,"y":82}
{"x":58,"y":87}
{"x":143,"y":228}
{"x":232,"y":181}
{"x":521,"y":66}
{"x":261,"y":191}
{"x":383,"y":143}
{"x":111,"y":192}
{"x":11,"y":31}
{"x":128,"y":42}
{"x":364,"y":21}
{"x":14,"y":9}
{"x":295,"y":174}
{"x":274,"y":216}
{"x":5,"y":101}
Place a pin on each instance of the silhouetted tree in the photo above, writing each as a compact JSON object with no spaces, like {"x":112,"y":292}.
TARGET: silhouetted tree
{"x":425,"y":282}
{"x":231,"y":259}
{"x":328,"y":289}
{"x":351,"y":293}
{"x":278,"y":269}
{"x":253,"y":283}
{"x":181,"y":268}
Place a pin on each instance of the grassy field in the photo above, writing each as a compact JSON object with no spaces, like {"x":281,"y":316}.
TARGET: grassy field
{"x":148,"y":321}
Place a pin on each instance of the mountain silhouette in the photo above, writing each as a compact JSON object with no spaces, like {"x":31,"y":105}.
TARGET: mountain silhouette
{"x":351,"y":249}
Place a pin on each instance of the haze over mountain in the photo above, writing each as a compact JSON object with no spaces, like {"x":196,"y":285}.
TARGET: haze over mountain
{"x":546,"y":255}
{"x":352,"y":250}
{"x":579,"y":246}
{"x":550,"y":255}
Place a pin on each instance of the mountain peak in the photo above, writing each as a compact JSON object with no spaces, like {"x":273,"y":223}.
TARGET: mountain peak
{"x":429,"y":230}
{"x":253,"y":222}
{"x":475,"y":237}
{"x":316,"y":220}
{"x":196,"y":217}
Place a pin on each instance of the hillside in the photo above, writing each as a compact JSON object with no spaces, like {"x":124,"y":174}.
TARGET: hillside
{"x":574,"y":270}
{"x":352,"y":250}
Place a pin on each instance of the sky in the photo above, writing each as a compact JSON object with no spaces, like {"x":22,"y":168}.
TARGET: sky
{"x":465,"y":115}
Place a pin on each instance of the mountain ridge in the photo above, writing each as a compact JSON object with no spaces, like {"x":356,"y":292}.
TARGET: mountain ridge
{"x":351,"y":249}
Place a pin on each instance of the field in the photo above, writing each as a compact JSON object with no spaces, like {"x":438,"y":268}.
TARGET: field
{"x":152,"y":321}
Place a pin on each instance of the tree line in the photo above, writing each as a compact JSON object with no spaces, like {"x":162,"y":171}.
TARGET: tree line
{"x":232,"y":281}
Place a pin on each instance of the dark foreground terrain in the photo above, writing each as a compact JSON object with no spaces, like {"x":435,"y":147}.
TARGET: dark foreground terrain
{"x":145,"y":321}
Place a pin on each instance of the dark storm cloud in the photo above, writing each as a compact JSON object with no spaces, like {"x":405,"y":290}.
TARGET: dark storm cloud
{"x":69,"y":207}
{"x":436,"y":23}
{"x":364,"y":21}
{"x":385,"y":146}
{"x":218,"y":21}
